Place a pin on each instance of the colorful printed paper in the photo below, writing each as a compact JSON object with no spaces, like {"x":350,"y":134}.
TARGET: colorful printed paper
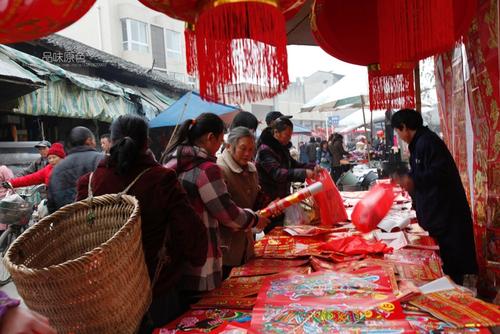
{"x":288,"y":246}
{"x":205,"y":321}
{"x":459,"y":309}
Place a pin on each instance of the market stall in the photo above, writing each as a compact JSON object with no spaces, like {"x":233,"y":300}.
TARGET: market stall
{"x":336,"y":279}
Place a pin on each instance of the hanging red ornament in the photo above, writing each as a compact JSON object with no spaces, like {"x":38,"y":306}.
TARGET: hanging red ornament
{"x":191,"y":54}
{"x":391,"y":88}
{"x":25,"y":20}
{"x":417,"y":29}
{"x":385,"y":38}
{"x":241,"y":48}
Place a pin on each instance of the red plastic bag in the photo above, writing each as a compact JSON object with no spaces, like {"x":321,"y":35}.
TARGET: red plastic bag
{"x":370,"y":210}
{"x":355,"y":245}
{"x":330,"y":202}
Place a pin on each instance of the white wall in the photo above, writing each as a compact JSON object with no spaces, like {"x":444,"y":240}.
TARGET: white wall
{"x":101,"y":28}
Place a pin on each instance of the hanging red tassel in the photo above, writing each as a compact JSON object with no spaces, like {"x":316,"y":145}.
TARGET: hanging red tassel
{"x":241,"y":47}
{"x":191,"y":54}
{"x":414,"y":29}
{"x":391,"y":89}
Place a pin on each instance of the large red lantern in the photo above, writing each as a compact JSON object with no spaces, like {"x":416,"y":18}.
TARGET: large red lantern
{"x":241,"y":48}
{"x":389,"y":36}
{"x":24,"y":20}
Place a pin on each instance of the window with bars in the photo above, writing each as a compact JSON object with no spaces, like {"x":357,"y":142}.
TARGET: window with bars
{"x":135,"y":35}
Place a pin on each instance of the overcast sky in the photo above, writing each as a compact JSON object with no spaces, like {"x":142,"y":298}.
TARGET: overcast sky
{"x":305,"y":60}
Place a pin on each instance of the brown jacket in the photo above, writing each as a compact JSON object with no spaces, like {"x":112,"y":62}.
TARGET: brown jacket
{"x":243,"y":186}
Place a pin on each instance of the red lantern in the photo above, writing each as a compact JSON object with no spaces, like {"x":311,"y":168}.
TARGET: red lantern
{"x":366,"y":32}
{"x":27,"y":20}
{"x":241,"y":46}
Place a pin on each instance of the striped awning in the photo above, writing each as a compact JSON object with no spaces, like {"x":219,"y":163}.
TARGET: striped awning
{"x":72,"y":95}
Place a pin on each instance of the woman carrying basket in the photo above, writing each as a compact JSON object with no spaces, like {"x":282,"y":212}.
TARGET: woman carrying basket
{"x":167,"y":217}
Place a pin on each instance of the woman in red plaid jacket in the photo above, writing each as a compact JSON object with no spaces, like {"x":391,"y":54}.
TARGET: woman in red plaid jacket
{"x":192,"y":155}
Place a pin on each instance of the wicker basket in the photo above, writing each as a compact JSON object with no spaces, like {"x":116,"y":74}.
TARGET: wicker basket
{"x":85,"y":277}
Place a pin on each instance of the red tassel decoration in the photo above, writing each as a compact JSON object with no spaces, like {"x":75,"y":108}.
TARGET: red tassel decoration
{"x":391,"y":90}
{"x":241,"y":48}
{"x":191,"y":54}
{"x":414,"y":29}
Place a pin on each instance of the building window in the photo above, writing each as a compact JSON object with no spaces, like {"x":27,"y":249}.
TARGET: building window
{"x":135,"y":35}
{"x":173,"y":44}
{"x":158,"y":47}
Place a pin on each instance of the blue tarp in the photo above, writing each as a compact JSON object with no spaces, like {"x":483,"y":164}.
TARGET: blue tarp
{"x":190,"y":106}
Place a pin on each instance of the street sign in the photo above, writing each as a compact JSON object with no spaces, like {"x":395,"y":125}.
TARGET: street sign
{"x":333,"y":121}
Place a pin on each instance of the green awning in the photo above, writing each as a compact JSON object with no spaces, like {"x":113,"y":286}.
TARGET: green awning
{"x":73,"y":95}
{"x":63,"y":99}
{"x":15,"y":81}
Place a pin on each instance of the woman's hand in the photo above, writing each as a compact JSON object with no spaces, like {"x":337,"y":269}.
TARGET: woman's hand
{"x":310,"y":173}
{"x":262,"y":222}
{"x":19,"y":320}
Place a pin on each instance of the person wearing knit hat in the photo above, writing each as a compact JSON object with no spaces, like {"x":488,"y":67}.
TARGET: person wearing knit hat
{"x":55,"y":155}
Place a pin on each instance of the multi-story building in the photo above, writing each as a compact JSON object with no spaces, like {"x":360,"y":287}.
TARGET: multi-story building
{"x":134,"y":32}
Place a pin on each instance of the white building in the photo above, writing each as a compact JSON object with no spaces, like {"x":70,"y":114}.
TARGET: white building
{"x":297,"y":94}
{"x":134,"y":32}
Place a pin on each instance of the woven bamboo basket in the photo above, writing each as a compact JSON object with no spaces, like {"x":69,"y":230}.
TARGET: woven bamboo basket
{"x":86,"y":275}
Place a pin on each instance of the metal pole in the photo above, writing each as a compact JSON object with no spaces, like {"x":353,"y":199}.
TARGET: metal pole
{"x":418,"y":97}
{"x":364,"y":124}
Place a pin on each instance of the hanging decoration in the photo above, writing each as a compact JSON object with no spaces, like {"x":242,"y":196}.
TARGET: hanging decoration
{"x":25,"y":20}
{"x":392,"y":88}
{"x":191,"y":54}
{"x":392,"y":42}
{"x":241,"y":48}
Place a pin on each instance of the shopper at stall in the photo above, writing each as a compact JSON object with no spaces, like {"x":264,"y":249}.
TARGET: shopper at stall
{"x":324,"y":157}
{"x":82,"y":158}
{"x":242,"y":181}
{"x":168,"y":221}
{"x":19,"y":320}
{"x":54,"y":156}
{"x":245,"y":119}
{"x":311,"y":150}
{"x":276,"y":168}
{"x":438,"y":194}
{"x":192,"y":156}
{"x":35,"y":166}
{"x":105,"y":143}
{"x":336,"y":147}
{"x":5,"y":176}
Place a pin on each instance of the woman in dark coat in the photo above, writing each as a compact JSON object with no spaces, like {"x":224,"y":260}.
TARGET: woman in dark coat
{"x":336,"y":147}
{"x":164,"y":207}
{"x":276,"y":168}
{"x":438,"y":194}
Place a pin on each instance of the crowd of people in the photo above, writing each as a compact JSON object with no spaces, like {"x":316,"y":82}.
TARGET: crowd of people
{"x":200,"y":204}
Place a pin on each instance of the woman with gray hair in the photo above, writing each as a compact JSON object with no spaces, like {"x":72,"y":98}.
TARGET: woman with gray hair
{"x":242,"y":182}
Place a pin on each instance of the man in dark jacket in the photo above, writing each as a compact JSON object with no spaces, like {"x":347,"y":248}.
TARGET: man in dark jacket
{"x":43,"y":148}
{"x":311,"y":150}
{"x":82,"y":158}
{"x":438,"y":194}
